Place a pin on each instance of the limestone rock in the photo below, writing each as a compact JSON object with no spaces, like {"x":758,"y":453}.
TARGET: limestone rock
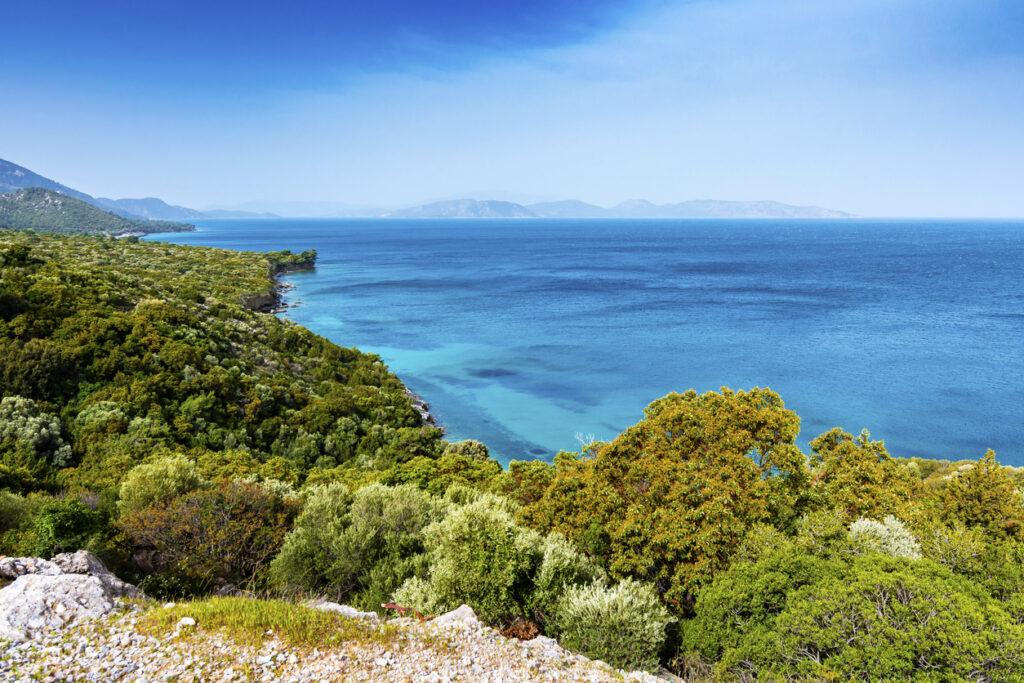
{"x":84,"y":562}
{"x":37,"y":603}
{"x":13,"y":567}
{"x":463,"y":616}
{"x":345,"y":610}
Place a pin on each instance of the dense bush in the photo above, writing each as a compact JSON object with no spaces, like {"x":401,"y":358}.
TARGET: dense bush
{"x":60,"y":525}
{"x":670,"y":499}
{"x":889,"y":536}
{"x":481,"y":557}
{"x":22,"y":423}
{"x":227,"y":533}
{"x":857,"y":476}
{"x":561,"y":567}
{"x":358,"y":547}
{"x":143,"y":347}
{"x":623,"y":625}
{"x":985,"y":497}
{"x":158,"y":482}
{"x":873,"y":618}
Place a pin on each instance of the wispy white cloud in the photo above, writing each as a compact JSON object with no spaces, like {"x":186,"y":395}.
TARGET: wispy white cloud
{"x":872,"y":106}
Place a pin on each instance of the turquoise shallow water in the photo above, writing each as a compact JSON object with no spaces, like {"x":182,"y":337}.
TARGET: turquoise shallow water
{"x":523,"y":334}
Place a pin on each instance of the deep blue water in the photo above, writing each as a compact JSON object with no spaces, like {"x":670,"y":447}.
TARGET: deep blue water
{"x":522,"y":334}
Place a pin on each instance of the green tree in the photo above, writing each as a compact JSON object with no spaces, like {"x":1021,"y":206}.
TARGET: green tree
{"x":671,"y":499}
{"x":985,"y":497}
{"x":858,"y":477}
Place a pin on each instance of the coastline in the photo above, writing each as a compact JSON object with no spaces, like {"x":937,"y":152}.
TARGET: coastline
{"x":277,"y":305}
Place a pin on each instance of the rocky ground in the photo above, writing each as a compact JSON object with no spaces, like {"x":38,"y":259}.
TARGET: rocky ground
{"x":113,"y":648}
{"x":122,"y":645}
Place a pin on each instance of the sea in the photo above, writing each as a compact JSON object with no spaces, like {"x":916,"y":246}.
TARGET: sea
{"x":535,"y":336}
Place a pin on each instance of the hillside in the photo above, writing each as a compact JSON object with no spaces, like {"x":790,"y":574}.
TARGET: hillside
{"x":14,"y":178}
{"x":45,"y":210}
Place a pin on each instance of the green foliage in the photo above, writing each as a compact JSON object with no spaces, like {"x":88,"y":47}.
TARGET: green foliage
{"x":561,"y":567}
{"x":146,"y":346}
{"x":43,"y":210}
{"x":889,"y":537}
{"x":357,"y":547}
{"x":481,"y":557}
{"x":985,"y":496}
{"x":792,"y":616}
{"x":623,"y":625}
{"x":158,"y":482}
{"x":436,"y":475}
{"x":418,"y":594}
{"x":227,"y":533}
{"x":286,"y":262}
{"x":858,"y":477}
{"x":468,"y":448}
{"x":958,"y":548}
{"x":61,"y":525}
{"x":22,"y":423}
{"x":670,"y":500}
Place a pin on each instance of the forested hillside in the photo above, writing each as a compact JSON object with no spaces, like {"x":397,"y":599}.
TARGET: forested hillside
{"x":50,"y":211}
{"x":150,"y":415}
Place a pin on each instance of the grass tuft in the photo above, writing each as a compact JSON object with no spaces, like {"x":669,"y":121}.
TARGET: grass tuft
{"x":254,"y":621}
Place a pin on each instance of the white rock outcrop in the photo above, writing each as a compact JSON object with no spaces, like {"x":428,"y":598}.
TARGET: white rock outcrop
{"x":84,"y":562}
{"x":38,"y":603}
{"x":463,"y":616}
{"x":13,"y":567}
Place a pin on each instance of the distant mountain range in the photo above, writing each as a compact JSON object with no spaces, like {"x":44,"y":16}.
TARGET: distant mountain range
{"x":14,"y":177}
{"x":637,"y":208}
{"x":43,"y":210}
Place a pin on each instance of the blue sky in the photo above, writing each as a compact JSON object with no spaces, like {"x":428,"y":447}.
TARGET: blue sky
{"x":880,"y":107}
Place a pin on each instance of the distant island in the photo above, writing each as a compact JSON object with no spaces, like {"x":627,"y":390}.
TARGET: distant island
{"x":636,"y":208}
{"x":14,"y":178}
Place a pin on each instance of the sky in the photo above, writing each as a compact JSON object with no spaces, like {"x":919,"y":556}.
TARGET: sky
{"x":877,"y":107}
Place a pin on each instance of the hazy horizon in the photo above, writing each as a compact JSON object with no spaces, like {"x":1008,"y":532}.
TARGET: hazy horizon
{"x":859,"y":106}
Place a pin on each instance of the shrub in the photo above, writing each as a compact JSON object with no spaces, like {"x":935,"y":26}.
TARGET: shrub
{"x":957,"y":548}
{"x":481,"y":557}
{"x":561,"y":568}
{"x":469,"y":448}
{"x":791,"y":616}
{"x":225,"y":533}
{"x":890,"y":537}
{"x":623,"y":625}
{"x":417,"y":593}
{"x":358,"y":547}
{"x":40,"y":433}
{"x":61,"y":525}
{"x":760,"y":540}
{"x":857,"y":476}
{"x":158,"y":482}
{"x":736,"y":611}
{"x":895,"y":620}
{"x":823,"y":533}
